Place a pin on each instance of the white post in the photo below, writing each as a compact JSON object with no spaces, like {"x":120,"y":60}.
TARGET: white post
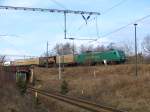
{"x":82,"y":91}
{"x":59,"y":68}
{"x":36,"y":97}
{"x":105,"y":62}
{"x":36,"y":94}
{"x":32,"y":75}
{"x":94,"y":74}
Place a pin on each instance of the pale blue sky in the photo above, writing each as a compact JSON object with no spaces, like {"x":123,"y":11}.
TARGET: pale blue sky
{"x":35,"y":28}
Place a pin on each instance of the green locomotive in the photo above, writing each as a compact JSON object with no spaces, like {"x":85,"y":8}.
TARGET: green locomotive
{"x":111,"y":56}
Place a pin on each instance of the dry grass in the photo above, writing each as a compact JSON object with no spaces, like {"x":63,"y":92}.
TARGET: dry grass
{"x":12,"y":101}
{"x":57,"y":106}
{"x":114,"y":85}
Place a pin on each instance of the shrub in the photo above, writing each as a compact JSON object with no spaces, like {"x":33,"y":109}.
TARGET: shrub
{"x":64,"y":87}
{"x":22,"y":86}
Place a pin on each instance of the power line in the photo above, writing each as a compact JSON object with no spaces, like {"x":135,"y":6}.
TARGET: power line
{"x":64,"y":12}
{"x":79,"y":28}
{"x":106,"y":11}
{"x":58,"y":3}
{"x":13,"y":45}
{"x":5,"y":35}
{"x":82,"y":25}
{"x":97,"y":28}
{"x":119,"y":29}
{"x":80,"y":39}
{"x":113,"y":7}
{"x":15,"y":55}
{"x":61,"y":5}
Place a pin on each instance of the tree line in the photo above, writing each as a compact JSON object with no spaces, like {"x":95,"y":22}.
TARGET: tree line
{"x":69,"y":48}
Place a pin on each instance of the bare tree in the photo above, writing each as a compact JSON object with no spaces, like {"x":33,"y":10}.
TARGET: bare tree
{"x":90,"y":48}
{"x":146,"y":44}
{"x":68,"y":48}
{"x":2,"y":60}
{"x":49,"y":54}
{"x":128,"y":49}
{"x":64,"y":49}
{"x":114,"y":46}
{"x":83,"y":48}
{"x":100,"y":48}
{"x":57,"y":48}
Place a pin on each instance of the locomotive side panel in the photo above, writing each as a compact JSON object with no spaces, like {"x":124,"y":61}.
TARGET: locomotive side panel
{"x":99,"y":57}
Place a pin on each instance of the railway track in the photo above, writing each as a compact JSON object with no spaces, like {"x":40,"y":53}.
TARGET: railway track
{"x":77,"y":102}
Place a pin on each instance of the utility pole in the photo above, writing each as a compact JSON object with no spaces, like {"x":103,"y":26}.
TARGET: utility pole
{"x":73,"y":48}
{"x":62,"y":51}
{"x":59,"y":77}
{"x":136,"y":72}
{"x":47,"y":54}
{"x":65,"y":25}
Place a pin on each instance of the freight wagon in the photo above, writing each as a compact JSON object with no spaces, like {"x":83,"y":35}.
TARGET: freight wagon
{"x":44,"y":61}
{"x":25,"y":62}
{"x":65,"y":59}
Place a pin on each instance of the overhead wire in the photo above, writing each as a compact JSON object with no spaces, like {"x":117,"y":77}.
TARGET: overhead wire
{"x":10,"y":43}
{"x":83,"y":24}
{"x":81,"y":38}
{"x":123,"y":27}
{"x":13,"y":55}
{"x":64,"y":7}
{"x":131,"y":23}
{"x":97,"y":28}
{"x":95,"y":18}
{"x":5,"y":35}
{"x":113,"y":7}
{"x":106,"y":11}
{"x":59,"y":4}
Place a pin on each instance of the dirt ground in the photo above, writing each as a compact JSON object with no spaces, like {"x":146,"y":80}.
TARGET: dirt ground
{"x":114,"y":85}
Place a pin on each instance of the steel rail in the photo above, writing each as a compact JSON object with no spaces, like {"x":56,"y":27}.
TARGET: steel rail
{"x":77,"y":102}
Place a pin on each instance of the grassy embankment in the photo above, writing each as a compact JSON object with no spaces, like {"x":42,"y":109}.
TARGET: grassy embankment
{"x":114,"y":85}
